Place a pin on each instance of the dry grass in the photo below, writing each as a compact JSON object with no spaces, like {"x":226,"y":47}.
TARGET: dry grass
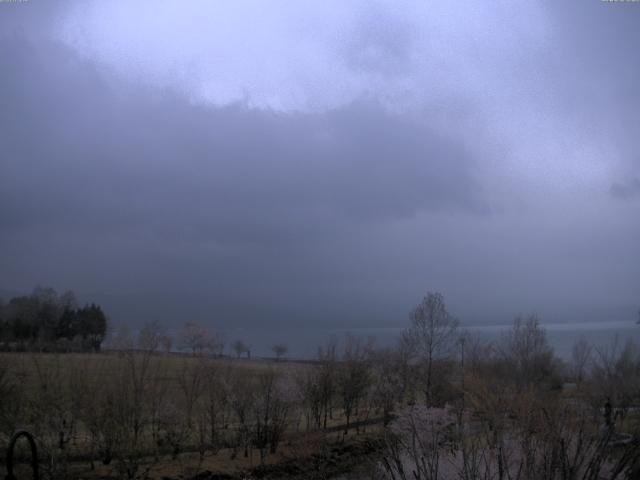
{"x":76,"y":381}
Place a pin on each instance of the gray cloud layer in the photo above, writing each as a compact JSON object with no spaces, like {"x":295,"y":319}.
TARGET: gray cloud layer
{"x":167,"y":206}
{"x":627,"y":190}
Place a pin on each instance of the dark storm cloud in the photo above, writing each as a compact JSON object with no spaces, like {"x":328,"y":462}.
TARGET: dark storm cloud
{"x":134,"y":156}
{"x":627,"y":190}
{"x":381,"y":149}
{"x":142,"y":186}
{"x":596,"y":71}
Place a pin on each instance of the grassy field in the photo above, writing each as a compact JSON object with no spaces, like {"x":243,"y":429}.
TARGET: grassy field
{"x":141,"y":415}
{"x":355,"y":413}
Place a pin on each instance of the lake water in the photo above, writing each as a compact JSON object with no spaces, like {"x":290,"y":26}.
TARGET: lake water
{"x":303,"y":343}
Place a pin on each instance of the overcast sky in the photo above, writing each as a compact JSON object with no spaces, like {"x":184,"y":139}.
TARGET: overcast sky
{"x":324,"y":162}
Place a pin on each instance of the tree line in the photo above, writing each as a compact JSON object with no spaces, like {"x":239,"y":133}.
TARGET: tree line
{"x":446,"y":404}
{"x":46,"y":321}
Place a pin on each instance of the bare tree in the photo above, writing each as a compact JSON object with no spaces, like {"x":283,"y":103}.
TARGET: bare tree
{"x":215,"y":344}
{"x":194,"y":337}
{"x":122,"y":338}
{"x":404,"y":354}
{"x":387,"y":381}
{"x":239,"y":347}
{"x":52,"y":412}
{"x":12,"y":395}
{"x":183,"y":419}
{"x":414,"y":444}
{"x":214,"y":412}
{"x":150,"y":335}
{"x":433,"y":333}
{"x":309,"y":385}
{"x":615,"y":375}
{"x":327,"y":360}
{"x":68,"y":300}
{"x":271,"y":407}
{"x":239,"y":391}
{"x":354,"y":376}
{"x":580,"y":358}
{"x":166,"y":343}
{"x":129,"y":412}
{"x":527,"y":352}
{"x":279,"y":350}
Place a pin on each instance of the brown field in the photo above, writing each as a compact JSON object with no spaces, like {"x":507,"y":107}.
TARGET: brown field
{"x":161,"y":403}
{"x":511,"y":410}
